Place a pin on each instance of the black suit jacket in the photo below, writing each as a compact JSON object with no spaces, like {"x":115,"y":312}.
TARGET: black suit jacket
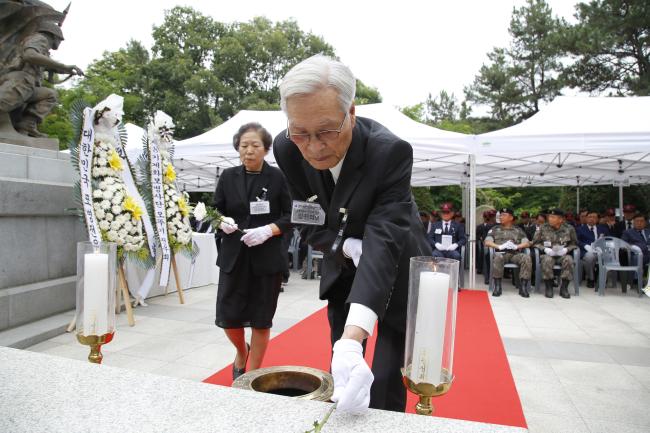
{"x":231,"y":199}
{"x":456,"y":230}
{"x":375,"y":187}
{"x":633,"y":237}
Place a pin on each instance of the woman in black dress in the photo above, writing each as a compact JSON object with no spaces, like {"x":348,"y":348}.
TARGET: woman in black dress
{"x":255,"y":197}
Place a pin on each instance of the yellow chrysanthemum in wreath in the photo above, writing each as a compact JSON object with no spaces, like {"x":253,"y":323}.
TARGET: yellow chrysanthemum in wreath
{"x":170,"y":173}
{"x":182,"y":206}
{"x":132,"y":206}
{"x":114,"y":160}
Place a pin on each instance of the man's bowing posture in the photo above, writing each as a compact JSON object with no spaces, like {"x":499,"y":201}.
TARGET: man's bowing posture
{"x":360,"y":174}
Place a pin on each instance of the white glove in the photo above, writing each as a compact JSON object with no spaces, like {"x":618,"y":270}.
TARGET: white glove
{"x":512,"y":245}
{"x":452,"y":247}
{"x":562,"y":252}
{"x":588,"y":248}
{"x":257,"y":236}
{"x":503,"y":246}
{"x":439,"y":247}
{"x":228,"y":225}
{"x":352,"y":377}
{"x":549,"y":252}
{"x":352,"y":248}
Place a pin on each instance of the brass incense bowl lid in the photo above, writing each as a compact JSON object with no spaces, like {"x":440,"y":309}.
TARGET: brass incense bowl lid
{"x":304,"y":383}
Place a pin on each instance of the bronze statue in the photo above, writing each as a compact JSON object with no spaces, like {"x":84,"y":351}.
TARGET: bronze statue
{"x":29,"y":29}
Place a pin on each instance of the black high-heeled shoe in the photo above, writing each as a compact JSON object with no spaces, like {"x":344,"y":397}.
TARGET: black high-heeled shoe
{"x":236,"y":372}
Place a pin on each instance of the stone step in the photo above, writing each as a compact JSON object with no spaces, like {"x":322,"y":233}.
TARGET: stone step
{"x":22,"y":337}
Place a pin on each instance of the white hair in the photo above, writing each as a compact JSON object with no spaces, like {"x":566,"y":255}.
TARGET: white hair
{"x":316,"y":73}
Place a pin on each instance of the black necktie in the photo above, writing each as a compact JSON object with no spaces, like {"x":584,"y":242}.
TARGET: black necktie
{"x":629,"y":224}
{"x":328,"y":179}
{"x":446,"y":228}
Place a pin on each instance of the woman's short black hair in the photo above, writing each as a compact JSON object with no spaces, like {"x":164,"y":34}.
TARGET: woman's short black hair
{"x":252,"y":126}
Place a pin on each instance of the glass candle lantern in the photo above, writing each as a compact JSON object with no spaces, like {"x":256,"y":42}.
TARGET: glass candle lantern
{"x":430,"y":327}
{"x":96,"y":285}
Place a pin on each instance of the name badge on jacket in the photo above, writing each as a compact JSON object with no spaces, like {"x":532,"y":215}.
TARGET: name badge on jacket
{"x":307,"y":212}
{"x":260,"y":207}
{"x":438,"y":231}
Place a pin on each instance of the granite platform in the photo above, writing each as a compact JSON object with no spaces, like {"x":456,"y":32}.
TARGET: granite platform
{"x":43,"y":393}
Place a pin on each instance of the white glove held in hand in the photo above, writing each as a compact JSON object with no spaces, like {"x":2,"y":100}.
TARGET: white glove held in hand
{"x":352,"y":248}
{"x":549,"y":252}
{"x":452,"y":247}
{"x":588,"y":248}
{"x":562,"y":252}
{"x":352,"y":377}
{"x":439,"y":247}
{"x":503,"y":246}
{"x":257,"y":236}
{"x":228,"y":225}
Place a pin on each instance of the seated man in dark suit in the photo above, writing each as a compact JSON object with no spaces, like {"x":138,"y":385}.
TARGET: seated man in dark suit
{"x":587,"y":234}
{"x":442,"y":245}
{"x":639,"y":236}
{"x":615,"y":227}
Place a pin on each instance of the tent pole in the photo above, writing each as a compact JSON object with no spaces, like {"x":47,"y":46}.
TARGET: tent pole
{"x":578,"y":200}
{"x":472,"y":222}
{"x":620,"y":199}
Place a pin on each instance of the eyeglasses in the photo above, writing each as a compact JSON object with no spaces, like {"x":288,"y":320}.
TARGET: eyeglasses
{"x":326,"y":135}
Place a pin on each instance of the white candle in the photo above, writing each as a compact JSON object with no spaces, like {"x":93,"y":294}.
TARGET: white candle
{"x":433,"y":295}
{"x":95,"y":316}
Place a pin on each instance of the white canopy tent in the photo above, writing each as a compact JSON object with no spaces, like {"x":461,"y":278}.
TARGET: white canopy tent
{"x":572,"y":141}
{"x":439,"y":157}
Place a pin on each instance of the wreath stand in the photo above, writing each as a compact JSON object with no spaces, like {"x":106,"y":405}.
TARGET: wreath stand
{"x":179,"y":288}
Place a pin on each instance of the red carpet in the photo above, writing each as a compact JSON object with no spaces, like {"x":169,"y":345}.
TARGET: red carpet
{"x":482,"y":391}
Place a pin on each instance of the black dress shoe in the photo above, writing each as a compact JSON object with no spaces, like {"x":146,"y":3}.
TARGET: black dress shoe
{"x":497,"y":287}
{"x":549,"y":288}
{"x":564,"y":289}
{"x":523,"y":290}
{"x":236,"y":372}
{"x":590,"y":284}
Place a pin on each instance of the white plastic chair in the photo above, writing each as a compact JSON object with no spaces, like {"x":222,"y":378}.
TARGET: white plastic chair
{"x":607,"y":249}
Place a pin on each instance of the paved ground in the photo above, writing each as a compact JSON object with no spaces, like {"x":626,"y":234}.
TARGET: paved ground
{"x":580,"y":365}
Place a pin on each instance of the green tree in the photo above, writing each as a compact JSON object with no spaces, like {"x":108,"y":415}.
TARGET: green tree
{"x":423,"y":198}
{"x":442,"y":107}
{"x":612,"y":43}
{"x":366,"y":94}
{"x":518,"y":78}
{"x":415,"y":112}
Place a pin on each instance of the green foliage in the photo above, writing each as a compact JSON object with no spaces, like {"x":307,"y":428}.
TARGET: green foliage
{"x":57,"y":125}
{"x":612,"y":43}
{"x":366,"y":94}
{"x":415,"y":112}
{"x":518,"y":78}
{"x":449,"y":193}
{"x":423,"y":198}
{"x":442,"y":107}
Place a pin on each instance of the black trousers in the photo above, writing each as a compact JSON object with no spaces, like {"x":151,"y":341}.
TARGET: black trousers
{"x":387,"y":391}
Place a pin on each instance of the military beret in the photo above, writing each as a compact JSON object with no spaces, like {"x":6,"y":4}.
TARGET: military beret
{"x":610,"y":212}
{"x":629,"y":208}
{"x":556,"y":211}
{"x":525,"y":214}
{"x":446,"y":207}
{"x":507,"y":210}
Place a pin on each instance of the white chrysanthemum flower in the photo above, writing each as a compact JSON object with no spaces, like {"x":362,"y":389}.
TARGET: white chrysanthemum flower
{"x":116,"y":209}
{"x":119,"y":241}
{"x":97,"y":193}
{"x":112,"y":235}
{"x":110,"y":181}
{"x":128,"y":225}
{"x":107,"y":195}
{"x":99,"y":213}
{"x":122,"y":233}
{"x":116,"y":200}
{"x":171,"y":229}
{"x":106,"y":204}
{"x":102,"y":184}
{"x":115,"y":225}
{"x":199,"y":211}
{"x":104,"y":225}
{"x":109,"y":216}
{"x":101,"y":161}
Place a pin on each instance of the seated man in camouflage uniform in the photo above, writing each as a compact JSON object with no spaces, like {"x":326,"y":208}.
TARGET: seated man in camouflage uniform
{"x":509,"y":241}
{"x":556,"y":239}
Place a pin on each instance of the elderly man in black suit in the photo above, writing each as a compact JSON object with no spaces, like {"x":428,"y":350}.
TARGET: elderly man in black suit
{"x":639,"y":236}
{"x":447,"y":236}
{"x":359,"y":173}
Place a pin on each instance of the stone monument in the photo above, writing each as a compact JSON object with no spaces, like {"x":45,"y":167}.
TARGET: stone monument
{"x":29,"y":30}
{"x":37,"y":237}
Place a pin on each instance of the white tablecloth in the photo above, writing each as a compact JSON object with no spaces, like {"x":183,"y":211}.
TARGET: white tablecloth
{"x":204,"y":271}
